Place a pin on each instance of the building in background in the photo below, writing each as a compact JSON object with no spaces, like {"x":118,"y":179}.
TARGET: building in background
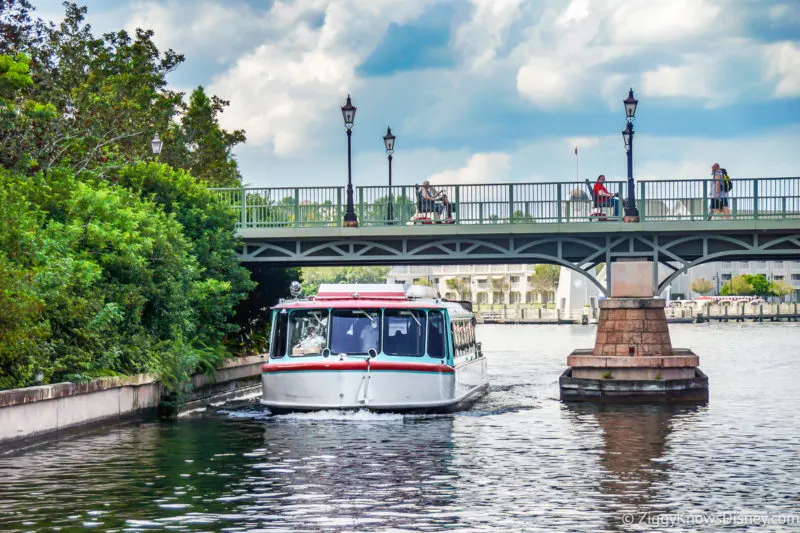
{"x":720,"y":272}
{"x":483,"y":285}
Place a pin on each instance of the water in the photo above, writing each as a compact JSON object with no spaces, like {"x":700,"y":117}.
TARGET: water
{"x":519,"y":460}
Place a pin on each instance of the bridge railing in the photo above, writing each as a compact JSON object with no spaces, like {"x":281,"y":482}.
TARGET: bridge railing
{"x":691,"y":199}
{"x":513,"y":203}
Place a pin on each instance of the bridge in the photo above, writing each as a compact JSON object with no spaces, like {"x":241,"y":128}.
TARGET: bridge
{"x":522,"y":223}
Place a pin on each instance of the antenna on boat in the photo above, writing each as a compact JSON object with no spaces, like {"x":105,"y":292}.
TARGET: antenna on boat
{"x":295,"y":289}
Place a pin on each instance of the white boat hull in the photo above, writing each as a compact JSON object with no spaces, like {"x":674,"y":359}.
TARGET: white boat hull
{"x":374,"y":385}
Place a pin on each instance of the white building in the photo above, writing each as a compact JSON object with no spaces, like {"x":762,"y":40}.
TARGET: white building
{"x":576,"y":291}
{"x":481,"y":284}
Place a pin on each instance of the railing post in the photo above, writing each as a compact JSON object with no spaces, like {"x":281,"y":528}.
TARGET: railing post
{"x":641,"y":203}
{"x":296,"y":207}
{"x":338,"y":206}
{"x":558,"y":203}
{"x":458,"y":203}
{"x":244,"y":207}
{"x":361,"y":205}
{"x":755,"y":199}
{"x":510,"y":203}
{"x":480,"y":212}
{"x":783,"y":207}
{"x":705,"y":199}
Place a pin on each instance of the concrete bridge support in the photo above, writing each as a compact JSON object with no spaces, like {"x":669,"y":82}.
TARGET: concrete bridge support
{"x":633,"y":360}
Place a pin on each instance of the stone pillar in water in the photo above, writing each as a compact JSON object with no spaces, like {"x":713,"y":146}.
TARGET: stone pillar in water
{"x":633,"y":360}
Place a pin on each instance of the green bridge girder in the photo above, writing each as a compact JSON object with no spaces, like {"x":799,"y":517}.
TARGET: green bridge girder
{"x":580,"y":246}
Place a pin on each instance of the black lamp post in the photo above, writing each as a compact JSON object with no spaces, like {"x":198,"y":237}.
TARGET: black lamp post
{"x":349,"y":115}
{"x":388,"y":141}
{"x":155,"y":145}
{"x":627,"y":136}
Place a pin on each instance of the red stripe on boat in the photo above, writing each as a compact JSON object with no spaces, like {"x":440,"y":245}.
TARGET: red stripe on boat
{"x":359,"y":303}
{"x":357,"y":365}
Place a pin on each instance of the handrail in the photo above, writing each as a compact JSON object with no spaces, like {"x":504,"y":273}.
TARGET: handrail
{"x":515,"y":203}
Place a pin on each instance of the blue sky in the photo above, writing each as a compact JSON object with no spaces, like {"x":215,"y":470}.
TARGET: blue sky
{"x":488,"y":90}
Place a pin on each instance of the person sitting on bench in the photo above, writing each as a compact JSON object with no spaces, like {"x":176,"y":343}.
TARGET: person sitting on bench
{"x":430,"y":197}
{"x":605,"y":198}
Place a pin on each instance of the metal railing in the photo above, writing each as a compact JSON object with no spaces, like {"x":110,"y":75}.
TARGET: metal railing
{"x":515,"y":203}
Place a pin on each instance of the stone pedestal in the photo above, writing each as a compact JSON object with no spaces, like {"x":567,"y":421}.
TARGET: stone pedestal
{"x":633,"y":360}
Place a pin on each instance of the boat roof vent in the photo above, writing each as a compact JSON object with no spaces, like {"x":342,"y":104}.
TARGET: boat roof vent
{"x":421,"y":291}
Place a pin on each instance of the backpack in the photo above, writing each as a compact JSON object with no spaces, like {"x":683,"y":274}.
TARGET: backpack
{"x":727,"y":183}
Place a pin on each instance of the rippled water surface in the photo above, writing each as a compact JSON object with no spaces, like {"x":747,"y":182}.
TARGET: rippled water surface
{"x":519,"y":460}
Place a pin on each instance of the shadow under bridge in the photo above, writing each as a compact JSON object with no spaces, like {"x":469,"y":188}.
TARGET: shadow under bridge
{"x":581,"y":246}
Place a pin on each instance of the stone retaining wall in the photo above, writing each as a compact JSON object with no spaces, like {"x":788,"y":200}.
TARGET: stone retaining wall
{"x":39,"y":411}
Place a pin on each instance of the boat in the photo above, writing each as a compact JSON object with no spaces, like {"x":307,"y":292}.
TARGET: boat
{"x":380,"y":347}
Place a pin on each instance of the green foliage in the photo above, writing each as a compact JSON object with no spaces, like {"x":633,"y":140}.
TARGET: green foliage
{"x":738,"y":286}
{"x":110,"y":265}
{"x":759,"y":283}
{"x":314,"y":276}
{"x":702,"y":286}
{"x":780,"y":288}
{"x":747,"y":285}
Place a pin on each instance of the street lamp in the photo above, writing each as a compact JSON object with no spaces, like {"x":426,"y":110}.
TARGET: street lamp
{"x":388,"y":141}
{"x":155,"y":145}
{"x":716,"y":279}
{"x":349,"y":115}
{"x":627,"y":135}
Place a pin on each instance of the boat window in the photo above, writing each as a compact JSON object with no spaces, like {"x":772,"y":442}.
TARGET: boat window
{"x":278,"y":348}
{"x":463,"y":337}
{"x":436,"y":335}
{"x":355,"y":331}
{"x":404,"y":332}
{"x":308,"y":331}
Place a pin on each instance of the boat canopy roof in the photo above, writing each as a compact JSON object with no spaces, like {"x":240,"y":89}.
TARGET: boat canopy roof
{"x":375,"y":295}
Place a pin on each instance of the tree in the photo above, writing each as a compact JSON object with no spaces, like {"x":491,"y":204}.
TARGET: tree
{"x":200,"y":145}
{"x":702,"y":286}
{"x":737,"y":286}
{"x":780,"y":288}
{"x":759,"y":283}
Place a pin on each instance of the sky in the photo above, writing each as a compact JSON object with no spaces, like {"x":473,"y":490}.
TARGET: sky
{"x":487,"y":91}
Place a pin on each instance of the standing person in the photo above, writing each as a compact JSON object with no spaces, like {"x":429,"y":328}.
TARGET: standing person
{"x":719,"y":198}
{"x":605,"y":198}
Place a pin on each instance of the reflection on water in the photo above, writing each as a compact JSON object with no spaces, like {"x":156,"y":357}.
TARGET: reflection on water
{"x":519,"y":460}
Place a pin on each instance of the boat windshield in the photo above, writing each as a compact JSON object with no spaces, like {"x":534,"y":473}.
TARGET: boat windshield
{"x":404,"y":332}
{"x":308,"y":331}
{"x":355,"y":331}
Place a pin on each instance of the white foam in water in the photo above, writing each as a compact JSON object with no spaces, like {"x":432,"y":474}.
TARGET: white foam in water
{"x":256,"y":414}
{"x":345,"y":416}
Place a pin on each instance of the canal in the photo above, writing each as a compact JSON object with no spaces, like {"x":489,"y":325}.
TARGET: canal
{"x":519,"y":460}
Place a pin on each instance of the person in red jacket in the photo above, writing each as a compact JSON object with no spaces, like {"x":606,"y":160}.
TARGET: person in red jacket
{"x":605,"y":198}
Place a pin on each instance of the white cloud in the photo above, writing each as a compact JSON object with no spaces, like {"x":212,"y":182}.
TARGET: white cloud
{"x":583,"y":142}
{"x":575,"y":12}
{"x":692,"y":79}
{"x":488,"y":167}
{"x":282,"y":88}
{"x":648,"y":22}
{"x":546,"y":81}
{"x":783,"y":60}
{"x":485,"y":32}
{"x":670,"y":48}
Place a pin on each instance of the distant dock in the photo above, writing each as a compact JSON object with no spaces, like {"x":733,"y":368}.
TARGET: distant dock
{"x":784,"y":312}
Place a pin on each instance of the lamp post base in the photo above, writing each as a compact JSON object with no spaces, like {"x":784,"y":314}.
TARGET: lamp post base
{"x":631,"y":215}
{"x":350,"y":223}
